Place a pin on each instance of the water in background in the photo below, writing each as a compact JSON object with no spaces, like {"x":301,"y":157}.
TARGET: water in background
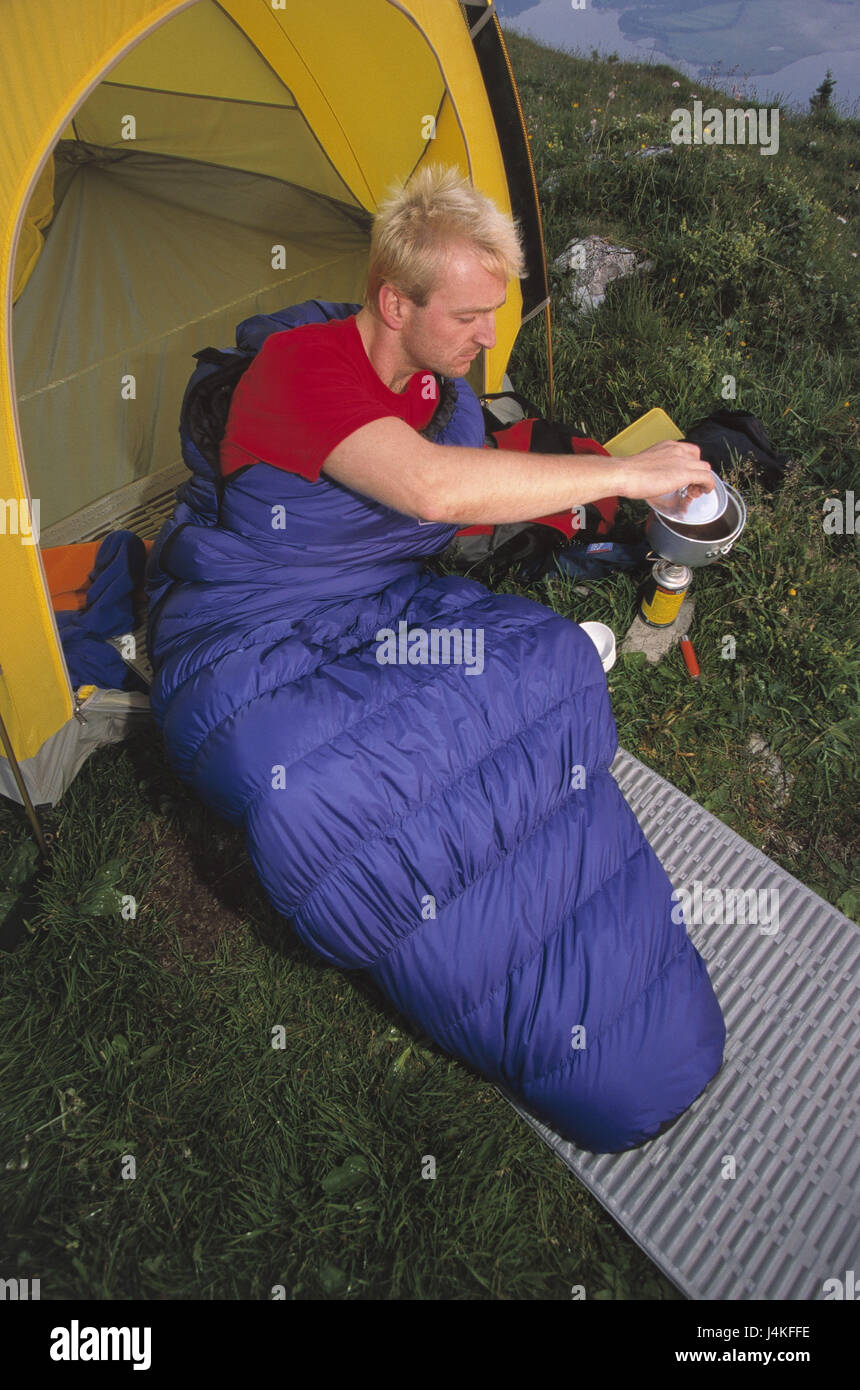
{"x":751,"y":48}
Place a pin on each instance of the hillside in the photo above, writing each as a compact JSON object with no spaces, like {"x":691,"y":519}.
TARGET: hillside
{"x":755,"y":275}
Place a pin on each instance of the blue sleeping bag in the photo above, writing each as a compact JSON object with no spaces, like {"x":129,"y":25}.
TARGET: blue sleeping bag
{"x":450,"y":825}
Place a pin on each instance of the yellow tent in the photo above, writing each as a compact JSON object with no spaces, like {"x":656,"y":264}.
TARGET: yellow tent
{"x":166,"y":170}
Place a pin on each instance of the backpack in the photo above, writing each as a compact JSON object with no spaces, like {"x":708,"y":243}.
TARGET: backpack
{"x":727,"y":431}
{"x":482,"y":551}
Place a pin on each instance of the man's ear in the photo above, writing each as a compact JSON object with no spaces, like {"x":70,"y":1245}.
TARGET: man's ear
{"x":393,"y":307}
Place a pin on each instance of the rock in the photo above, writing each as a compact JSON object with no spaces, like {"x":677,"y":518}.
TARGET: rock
{"x":650,"y":151}
{"x":655,"y":642}
{"x":594,"y":262}
{"x":773,"y":767}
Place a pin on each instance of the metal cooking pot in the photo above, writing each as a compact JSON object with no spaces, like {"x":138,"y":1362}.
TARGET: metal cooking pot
{"x":698,"y":545}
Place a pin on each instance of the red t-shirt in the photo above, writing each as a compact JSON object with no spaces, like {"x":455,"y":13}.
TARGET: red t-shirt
{"x":306,"y":391}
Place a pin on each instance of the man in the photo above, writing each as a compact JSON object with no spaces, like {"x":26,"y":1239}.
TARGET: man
{"x":461,"y":840}
{"x":349,"y":397}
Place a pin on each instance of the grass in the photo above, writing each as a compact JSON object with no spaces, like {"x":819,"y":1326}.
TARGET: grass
{"x":755,"y":277}
{"x":149,"y":1036}
{"x":256,"y":1166}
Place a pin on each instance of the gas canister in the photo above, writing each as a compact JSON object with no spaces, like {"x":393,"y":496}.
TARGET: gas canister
{"x":664,"y":593}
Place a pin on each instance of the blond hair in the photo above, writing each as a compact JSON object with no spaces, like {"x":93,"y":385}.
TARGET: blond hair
{"x":419,"y":223}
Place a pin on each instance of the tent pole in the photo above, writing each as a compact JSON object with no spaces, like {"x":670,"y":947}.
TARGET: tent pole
{"x":25,"y":795}
{"x":550,"y":373}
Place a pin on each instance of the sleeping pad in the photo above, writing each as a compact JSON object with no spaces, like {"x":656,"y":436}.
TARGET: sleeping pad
{"x":449,"y":826}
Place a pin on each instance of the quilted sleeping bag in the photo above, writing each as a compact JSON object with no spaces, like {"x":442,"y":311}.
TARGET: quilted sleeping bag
{"x":421,"y":767}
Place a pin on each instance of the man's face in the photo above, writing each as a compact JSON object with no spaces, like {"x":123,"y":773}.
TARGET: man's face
{"x":458,"y":319}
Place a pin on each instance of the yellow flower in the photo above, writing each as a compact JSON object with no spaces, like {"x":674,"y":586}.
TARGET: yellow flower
{"x":576,"y":103}
{"x":847,"y":402}
{"x":743,"y":342}
{"x":680,"y":294}
{"x":793,"y":593}
{"x":674,"y":278}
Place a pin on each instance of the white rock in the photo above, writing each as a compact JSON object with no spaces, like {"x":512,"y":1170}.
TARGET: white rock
{"x":780,"y":779}
{"x":603,"y":263}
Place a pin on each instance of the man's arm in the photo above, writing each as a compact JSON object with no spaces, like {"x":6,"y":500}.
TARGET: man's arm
{"x":389,"y":461}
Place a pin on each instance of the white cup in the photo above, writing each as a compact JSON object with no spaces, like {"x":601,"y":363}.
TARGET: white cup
{"x":604,"y":640}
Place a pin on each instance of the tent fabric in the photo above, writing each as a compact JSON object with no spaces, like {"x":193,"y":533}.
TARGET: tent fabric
{"x":102,"y":717}
{"x":127,"y":246}
{"x":40,"y":211}
{"x":128,"y":321}
{"x":453,"y":830}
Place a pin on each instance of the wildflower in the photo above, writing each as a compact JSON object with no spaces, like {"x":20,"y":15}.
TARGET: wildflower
{"x":847,"y":402}
{"x":576,"y":103}
{"x":793,"y":593}
{"x":680,"y":294}
{"x":743,"y":342}
{"x":674,"y":278}
{"x":676,"y":84}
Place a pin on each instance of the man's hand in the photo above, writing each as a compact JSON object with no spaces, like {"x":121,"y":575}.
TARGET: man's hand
{"x":664,"y":468}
